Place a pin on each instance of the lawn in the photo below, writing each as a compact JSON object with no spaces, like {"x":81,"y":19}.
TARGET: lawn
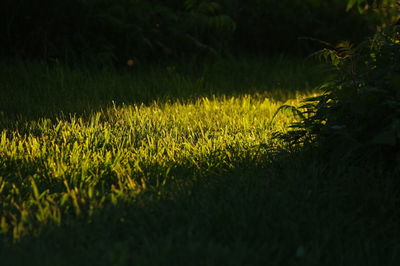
{"x":178,"y":165}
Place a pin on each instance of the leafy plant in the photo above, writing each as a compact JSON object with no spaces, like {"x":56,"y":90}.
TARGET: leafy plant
{"x":358,"y":113}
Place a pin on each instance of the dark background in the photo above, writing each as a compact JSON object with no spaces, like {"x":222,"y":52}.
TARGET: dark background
{"x":113,"y":31}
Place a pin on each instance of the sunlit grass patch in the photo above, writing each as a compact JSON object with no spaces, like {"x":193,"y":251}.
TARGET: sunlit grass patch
{"x":73,"y":166}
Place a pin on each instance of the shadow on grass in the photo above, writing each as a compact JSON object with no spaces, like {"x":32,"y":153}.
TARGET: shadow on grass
{"x":34,"y":90}
{"x":293,"y":211}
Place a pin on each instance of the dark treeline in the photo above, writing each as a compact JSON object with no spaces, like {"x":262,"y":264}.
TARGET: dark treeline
{"x":117,"y":30}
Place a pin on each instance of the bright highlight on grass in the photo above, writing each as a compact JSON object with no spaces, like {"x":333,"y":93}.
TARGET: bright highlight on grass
{"x":50,"y":169}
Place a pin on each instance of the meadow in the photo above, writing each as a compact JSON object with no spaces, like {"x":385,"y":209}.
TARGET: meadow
{"x":178,"y":165}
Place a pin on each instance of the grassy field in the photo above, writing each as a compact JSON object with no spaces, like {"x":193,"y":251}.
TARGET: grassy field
{"x":177,"y":165}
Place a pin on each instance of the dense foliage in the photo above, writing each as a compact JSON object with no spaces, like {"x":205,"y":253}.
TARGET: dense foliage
{"x":115,"y":31}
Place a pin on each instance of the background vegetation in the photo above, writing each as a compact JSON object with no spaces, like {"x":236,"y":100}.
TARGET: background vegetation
{"x":115,"y":31}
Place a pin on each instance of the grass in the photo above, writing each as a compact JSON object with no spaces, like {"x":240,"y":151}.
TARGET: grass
{"x":176,"y":165}
{"x":34,"y":90}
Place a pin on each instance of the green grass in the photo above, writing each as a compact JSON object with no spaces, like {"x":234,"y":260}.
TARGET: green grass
{"x":176,"y":165}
